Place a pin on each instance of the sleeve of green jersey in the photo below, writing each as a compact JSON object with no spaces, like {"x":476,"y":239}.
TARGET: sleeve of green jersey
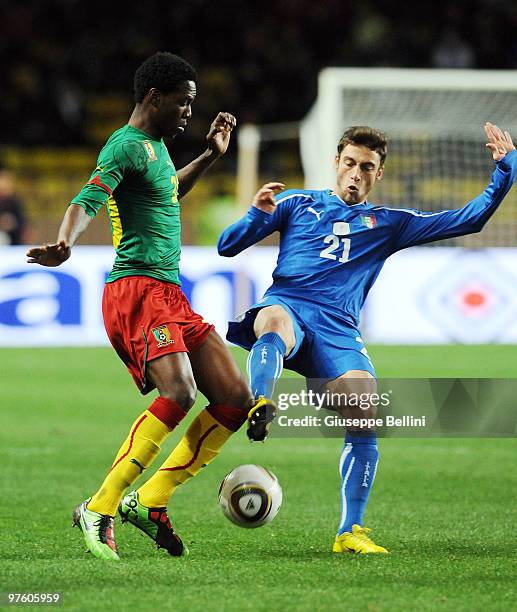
{"x":113,"y":164}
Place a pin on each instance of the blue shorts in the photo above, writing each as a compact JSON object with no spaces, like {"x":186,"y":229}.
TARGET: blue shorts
{"x":326,"y":346}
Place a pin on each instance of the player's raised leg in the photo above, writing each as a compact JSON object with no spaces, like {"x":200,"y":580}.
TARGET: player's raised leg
{"x":358,"y":463}
{"x":172,"y":375}
{"x":220,"y":380}
{"x":275,"y":334}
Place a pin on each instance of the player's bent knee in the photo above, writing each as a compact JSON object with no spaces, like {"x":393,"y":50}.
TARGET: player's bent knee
{"x":271,"y":319}
{"x":236,"y":393}
{"x":352,"y":394}
{"x":182,"y":393}
{"x":357,"y":374}
{"x":275,"y":319}
{"x":241,"y":395}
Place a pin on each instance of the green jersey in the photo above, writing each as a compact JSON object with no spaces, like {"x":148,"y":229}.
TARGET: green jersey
{"x":137,"y":181}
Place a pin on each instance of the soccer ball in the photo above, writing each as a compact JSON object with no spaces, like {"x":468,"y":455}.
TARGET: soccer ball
{"x":250,"y":496}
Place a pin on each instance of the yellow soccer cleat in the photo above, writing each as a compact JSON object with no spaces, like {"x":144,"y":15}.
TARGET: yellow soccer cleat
{"x":356,"y":542}
{"x":260,"y":418}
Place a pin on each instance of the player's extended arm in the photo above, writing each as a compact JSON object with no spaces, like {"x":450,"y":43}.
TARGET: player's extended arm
{"x":260,"y":221}
{"x":218,"y":139}
{"x":75,"y":221}
{"x":418,"y":227}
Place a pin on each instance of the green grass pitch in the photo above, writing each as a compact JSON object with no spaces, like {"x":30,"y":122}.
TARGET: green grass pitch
{"x":446,"y":508}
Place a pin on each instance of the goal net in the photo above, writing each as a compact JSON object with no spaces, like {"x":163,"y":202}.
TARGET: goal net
{"x":436,"y":143}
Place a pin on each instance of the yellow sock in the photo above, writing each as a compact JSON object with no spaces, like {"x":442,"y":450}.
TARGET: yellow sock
{"x":200,"y":444}
{"x":137,"y":453}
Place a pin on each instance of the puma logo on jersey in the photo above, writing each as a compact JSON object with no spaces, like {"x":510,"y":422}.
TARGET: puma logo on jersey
{"x":315,"y":212}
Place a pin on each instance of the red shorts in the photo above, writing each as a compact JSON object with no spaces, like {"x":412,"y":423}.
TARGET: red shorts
{"x":146,"y":318}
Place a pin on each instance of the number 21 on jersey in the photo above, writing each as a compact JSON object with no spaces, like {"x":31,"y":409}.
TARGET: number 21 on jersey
{"x":339,"y":248}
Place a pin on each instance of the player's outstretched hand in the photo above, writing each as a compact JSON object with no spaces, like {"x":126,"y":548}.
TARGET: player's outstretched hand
{"x":265,"y":197}
{"x":218,"y":136}
{"x":50,"y":255}
{"x":500,"y":143}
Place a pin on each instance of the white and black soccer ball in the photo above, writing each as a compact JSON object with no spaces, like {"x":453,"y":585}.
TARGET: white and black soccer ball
{"x":250,"y":496}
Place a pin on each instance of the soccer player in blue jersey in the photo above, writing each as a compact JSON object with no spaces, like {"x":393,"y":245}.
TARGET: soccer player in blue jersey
{"x":333,"y":244}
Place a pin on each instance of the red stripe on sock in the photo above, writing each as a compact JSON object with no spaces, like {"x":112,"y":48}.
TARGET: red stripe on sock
{"x":230,"y":417}
{"x":194,"y":456}
{"x":143,"y":417}
{"x":169,"y":412}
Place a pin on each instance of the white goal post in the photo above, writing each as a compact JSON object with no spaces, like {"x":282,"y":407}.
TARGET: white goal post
{"x":434,"y":123}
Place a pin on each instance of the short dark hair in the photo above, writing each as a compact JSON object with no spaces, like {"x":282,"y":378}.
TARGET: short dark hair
{"x":164,"y":71}
{"x":366,"y":136}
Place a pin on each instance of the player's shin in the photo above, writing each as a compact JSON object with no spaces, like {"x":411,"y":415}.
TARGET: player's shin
{"x":198,"y":447}
{"x":137,"y":453}
{"x":357,"y":467}
{"x":265,"y":363}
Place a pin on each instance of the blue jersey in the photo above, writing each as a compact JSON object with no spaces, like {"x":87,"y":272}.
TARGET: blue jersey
{"x":331,"y":252}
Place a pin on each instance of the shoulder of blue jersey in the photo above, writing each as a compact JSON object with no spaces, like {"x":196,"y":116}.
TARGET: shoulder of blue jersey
{"x":296,"y":195}
{"x":407,"y":211}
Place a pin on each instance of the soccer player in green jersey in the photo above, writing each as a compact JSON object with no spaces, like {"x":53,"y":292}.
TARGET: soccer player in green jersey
{"x":164,"y":344}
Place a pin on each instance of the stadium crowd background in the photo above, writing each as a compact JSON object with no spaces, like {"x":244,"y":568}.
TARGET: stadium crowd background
{"x":67,"y":74}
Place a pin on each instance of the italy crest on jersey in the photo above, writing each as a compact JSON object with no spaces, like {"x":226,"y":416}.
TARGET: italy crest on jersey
{"x":368,"y":221}
{"x":162,"y":335}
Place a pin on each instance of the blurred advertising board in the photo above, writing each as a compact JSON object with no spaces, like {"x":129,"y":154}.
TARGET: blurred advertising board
{"x":423,"y":295}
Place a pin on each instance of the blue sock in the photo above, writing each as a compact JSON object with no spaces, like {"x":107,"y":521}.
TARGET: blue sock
{"x":265,"y":363}
{"x":357,"y":467}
